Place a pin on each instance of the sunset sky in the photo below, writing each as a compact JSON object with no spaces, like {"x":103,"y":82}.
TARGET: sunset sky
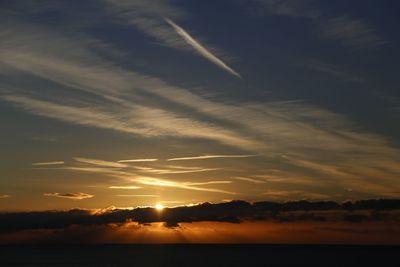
{"x":133,"y":103}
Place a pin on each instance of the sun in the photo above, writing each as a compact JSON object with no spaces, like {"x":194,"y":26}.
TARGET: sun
{"x":159,"y":206}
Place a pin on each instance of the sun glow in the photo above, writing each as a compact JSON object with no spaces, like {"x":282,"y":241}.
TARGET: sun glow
{"x":159,"y":206}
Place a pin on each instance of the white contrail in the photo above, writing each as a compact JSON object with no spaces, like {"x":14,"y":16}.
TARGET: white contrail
{"x":201,"y":49}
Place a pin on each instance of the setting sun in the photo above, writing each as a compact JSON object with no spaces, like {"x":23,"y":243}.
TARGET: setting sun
{"x":159,"y":206}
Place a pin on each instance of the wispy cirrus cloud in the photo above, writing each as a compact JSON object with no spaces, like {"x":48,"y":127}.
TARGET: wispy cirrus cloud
{"x":349,"y":31}
{"x":136,"y":160}
{"x":73,"y":196}
{"x":152,"y":19}
{"x":121,"y":99}
{"x":183,"y":185}
{"x":251,"y":180}
{"x":48,"y":163}
{"x":99,"y":162}
{"x":4,"y":196}
{"x":137,"y":196}
{"x":330,"y":69}
{"x":210,"y":157}
{"x":201,"y":49}
{"x":173,"y":170}
{"x":128,"y":187}
{"x":148,"y":17}
{"x":294,"y":195}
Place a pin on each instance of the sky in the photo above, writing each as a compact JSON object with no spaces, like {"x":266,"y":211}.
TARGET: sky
{"x":132,"y":103}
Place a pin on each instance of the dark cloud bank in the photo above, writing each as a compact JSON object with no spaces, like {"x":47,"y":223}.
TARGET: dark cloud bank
{"x":233,"y":212}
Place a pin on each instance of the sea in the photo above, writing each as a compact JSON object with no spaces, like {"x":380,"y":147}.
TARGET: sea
{"x":191,"y":255}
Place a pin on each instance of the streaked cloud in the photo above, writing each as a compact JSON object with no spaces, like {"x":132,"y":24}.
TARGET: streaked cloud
{"x":184,"y":167}
{"x":74,"y":196}
{"x":182,"y":185}
{"x":151,"y":18}
{"x":291,"y":8}
{"x":251,"y":180}
{"x":210,"y":157}
{"x":351,"y":32}
{"x":201,"y":49}
{"x":48,"y":163}
{"x":330,"y":69}
{"x":4,"y":196}
{"x":136,"y":160}
{"x":81,"y":87}
{"x":147,"y":17}
{"x":100,"y":170}
{"x":100,"y":162}
{"x":295,"y":195}
{"x":137,"y":195}
{"x":124,"y":187}
{"x":208,"y":182}
{"x":174,"y":171}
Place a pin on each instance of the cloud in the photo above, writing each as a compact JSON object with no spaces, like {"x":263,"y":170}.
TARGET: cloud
{"x":291,"y":8}
{"x":101,"y":162}
{"x":294,"y":194}
{"x":211,"y":157}
{"x":208,"y":182}
{"x":4,"y":196}
{"x":136,"y":160}
{"x":80,"y":87}
{"x":201,"y":49}
{"x":74,"y":196}
{"x":233,"y":212}
{"x":330,"y":69}
{"x":151,"y":18}
{"x":173,"y":171}
{"x":48,"y":163}
{"x":183,"y":185}
{"x":124,"y":187}
{"x":350,"y":32}
{"x":251,"y":180}
{"x":147,"y":17}
{"x":137,"y":195}
{"x":101,"y":170}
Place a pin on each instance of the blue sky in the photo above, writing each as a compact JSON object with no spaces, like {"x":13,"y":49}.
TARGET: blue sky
{"x":260,"y":99}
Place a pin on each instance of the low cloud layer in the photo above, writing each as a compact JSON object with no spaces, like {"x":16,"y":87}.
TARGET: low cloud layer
{"x":231,"y":212}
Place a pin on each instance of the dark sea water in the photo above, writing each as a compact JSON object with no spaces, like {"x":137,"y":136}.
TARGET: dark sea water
{"x":199,"y":255}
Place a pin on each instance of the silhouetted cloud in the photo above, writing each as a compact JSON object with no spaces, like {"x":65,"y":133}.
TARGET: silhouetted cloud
{"x":232,"y":212}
